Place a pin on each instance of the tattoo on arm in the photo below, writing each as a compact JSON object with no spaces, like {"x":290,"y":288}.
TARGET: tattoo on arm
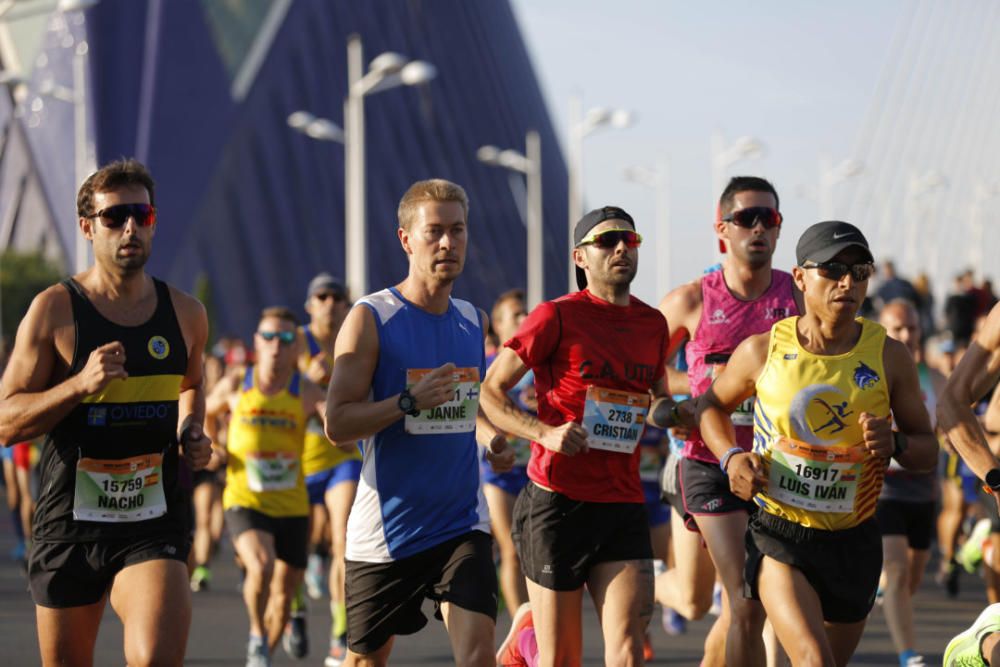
{"x":528,"y":420}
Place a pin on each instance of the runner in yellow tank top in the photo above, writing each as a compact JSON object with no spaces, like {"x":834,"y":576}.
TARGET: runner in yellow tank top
{"x":265,"y":496}
{"x":828,"y":389}
{"x":331,"y":473}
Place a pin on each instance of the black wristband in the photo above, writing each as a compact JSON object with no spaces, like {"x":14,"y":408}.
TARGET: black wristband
{"x":664,"y":416}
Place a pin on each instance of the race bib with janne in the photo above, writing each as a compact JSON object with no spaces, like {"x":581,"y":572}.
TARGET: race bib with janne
{"x":272,"y":471}
{"x":814,"y":477}
{"x":457,"y":415}
{"x":614,"y":419}
{"x":122,"y":490}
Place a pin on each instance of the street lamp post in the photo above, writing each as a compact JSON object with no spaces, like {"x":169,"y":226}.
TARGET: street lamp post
{"x":385,"y":71}
{"x":580,"y":126}
{"x":724,"y":156}
{"x":530,"y":164}
{"x":658,"y":179}
{"x":829,"y":177}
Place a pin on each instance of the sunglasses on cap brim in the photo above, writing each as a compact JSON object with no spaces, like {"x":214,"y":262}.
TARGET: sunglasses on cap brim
{"x":116,"y":216}
{"x":610,"y":238}
{"x":749,"y":217}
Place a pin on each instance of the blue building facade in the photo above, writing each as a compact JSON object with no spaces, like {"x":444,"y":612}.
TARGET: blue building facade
{"x":200,"y":91}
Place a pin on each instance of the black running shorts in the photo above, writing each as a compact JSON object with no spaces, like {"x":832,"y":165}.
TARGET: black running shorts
{"x":75,"y":574}
{"x":291,"y":533}
{"x":559,"y":539}
{"x":384,"y":599}
{"x":914,"y":520}
{"x":843,"y":566}
{"x":705,"y":490}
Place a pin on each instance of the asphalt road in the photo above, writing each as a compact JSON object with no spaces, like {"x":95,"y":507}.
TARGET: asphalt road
{"x":219,"y":628}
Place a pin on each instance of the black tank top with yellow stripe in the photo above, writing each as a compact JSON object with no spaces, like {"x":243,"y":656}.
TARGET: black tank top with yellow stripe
{"x":109,"y":469}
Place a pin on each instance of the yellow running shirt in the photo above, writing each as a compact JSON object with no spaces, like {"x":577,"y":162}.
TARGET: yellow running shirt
{"x":319,"y":454}
{"x":807,"y":432}
{"x":264,"y":472}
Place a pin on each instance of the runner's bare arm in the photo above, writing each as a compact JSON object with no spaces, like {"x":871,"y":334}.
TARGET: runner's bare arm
{"x":972,"y":378}
{"x":682,"y":309}
{"x":30,"y":405}
{"x":505,"y":372}
{"x":499,"y":454}
{"x":350,"y":415}
{"x":734,"y":385}
{"x":991,"y":418}
{"x":218,"y":404}
{"x":908,"y":409}
{"x":193,"y":319}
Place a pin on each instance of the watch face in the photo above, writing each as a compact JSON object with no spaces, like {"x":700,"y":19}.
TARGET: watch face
{"x":993,"y":479}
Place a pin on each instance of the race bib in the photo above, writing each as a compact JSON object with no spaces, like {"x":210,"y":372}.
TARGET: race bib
{"x":272,"y":471}
{"x":458,"y":415}
{"x":811,"y":477}
{"x":614,"y":419}
{"x":119,"y":491}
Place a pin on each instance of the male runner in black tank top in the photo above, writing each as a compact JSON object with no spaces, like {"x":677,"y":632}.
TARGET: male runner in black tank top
{"x":109,"y":364}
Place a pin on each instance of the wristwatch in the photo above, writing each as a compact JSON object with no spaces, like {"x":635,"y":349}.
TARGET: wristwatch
{"x":992,"y":479}
{"x":407,"y":403}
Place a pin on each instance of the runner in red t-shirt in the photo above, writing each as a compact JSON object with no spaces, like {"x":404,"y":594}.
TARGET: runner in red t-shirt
{"x":597,"y":356}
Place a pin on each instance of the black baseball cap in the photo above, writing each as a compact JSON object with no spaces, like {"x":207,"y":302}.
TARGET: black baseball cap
{"x":824,"y":240}
{"x":324,"y":282}
{"x":588,"y":222}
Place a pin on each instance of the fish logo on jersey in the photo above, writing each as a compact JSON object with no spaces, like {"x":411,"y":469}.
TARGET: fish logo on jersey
{"x":865,"y":377}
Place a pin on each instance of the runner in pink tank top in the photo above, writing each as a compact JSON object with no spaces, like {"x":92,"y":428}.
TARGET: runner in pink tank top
{"x":725,"y":321}
{"x":716,"y":312}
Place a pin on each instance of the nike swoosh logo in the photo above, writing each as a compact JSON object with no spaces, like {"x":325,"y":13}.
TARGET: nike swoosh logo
{"x":840,"y":236}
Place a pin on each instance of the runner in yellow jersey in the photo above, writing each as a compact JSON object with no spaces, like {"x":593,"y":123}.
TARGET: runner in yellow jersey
{"x":331,"y":474}
{"x":265,"y":499}
{"x":828,"y":389}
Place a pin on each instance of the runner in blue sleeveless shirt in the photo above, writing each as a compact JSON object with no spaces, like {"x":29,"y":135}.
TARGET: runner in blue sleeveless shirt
{"x":407,"y":366}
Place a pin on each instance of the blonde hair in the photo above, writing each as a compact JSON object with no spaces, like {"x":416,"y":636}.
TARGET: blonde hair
{"x":279,"y":313}
{"x":434,"y":189}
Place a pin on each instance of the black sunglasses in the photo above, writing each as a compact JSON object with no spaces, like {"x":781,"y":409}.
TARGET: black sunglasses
{"x":323,"y":296}
{"x":284,"y":337}
{"x":749,"y":217}
{"x":837,"y":270}
{"x":610,"y":238}
{"x":116,"y":216}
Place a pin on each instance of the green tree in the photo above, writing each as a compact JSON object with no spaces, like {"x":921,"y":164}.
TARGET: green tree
{"x":22,"y":276}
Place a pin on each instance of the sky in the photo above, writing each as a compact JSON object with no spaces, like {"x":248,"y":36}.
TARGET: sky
{"x":800,"y":77}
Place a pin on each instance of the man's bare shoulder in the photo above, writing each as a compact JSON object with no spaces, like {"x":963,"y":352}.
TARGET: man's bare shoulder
{"x":187,"y":307}
{"x":51,"y":309}
{"x":682,"y":305}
